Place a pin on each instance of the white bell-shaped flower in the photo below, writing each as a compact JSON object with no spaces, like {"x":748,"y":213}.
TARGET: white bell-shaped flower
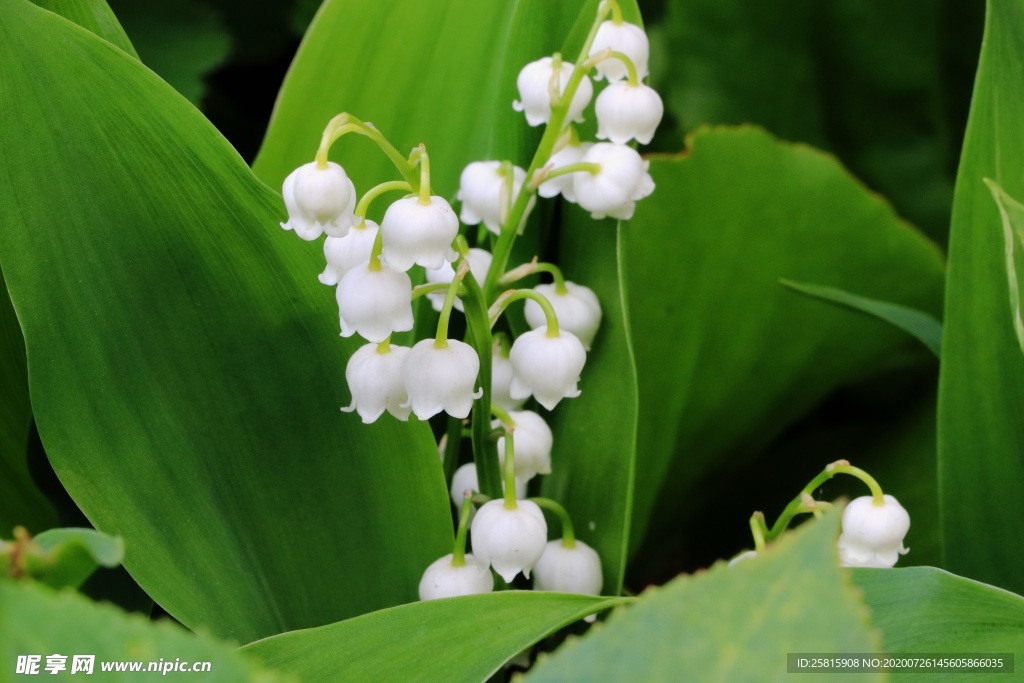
{"x":501,"y":382}
{"x":419,"y":234}
{"x":484,"y":193}
{"x":439,"y":379}
{"x":479,"y":264}
{"x":319,"y":200}
{"x":534,"y":84}
{"x":510,"y":541}
{"x":628,"y":112}
{"x":465,"y":479}
{"x":442,"y":579}
{"x":374,"y":376}
{"x":546,"y":367}
{"x":345,"y":253}
{"x":568,"y":570}
{"x":570,"y":154}
{"x":613,"y":190}
{"x":578,"y":310}
{"x":374,"y":303}
{"x":532,"y":441}
{"x":873,"y":534}
{"x":630,"y":40}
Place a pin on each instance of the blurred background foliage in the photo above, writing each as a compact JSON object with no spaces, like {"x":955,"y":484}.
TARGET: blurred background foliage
{"x":883,"y":87}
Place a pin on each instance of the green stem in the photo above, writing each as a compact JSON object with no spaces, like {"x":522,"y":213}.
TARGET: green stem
{"x":510,"y":471}
{"x":429,"y":288}
{"x":615,"y":9}
{"x":424,"y":176}
{"x":459,"y":550}
{"x":485,"y":452}
{"x":441,"y":338}
{"x":384,"y":346}
{"x":514,"y":295}
{"x":375,"y":252}
{"x":374,"y":192}
{"x":527,"y":269}
{"x":631,"y":75}
{"x":345,"y":123}
{"x":581,"y":167}
{"x":503,"y":415}
{"x":798,"y":504}
{"x":552,"y":132}
{"x":568,"y":535}
{"x":757,"y":531}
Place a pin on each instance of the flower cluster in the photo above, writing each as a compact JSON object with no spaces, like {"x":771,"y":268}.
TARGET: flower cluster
{"x":418,"y":248}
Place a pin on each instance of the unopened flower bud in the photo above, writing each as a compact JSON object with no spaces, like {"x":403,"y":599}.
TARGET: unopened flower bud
{"x":374,"y":376}
{"x":534,"y":83}
{"x":614,"y":190}
{"x":568,"y":570}
{"x":374,"y":303}
{"x":345,"y":253}
{"x":628,"y":112}
{"x":484,"y":193}
{"x":577,"y":309}
{"x":532,"y":441}
{"x":439,"y":379}
{"x":419,"y":234}
{"x":872,"y":534}
{"x":465,"y":479}
{"x":511,"y":541}
{"x":630,"y":40}
{"x":479,"y":264}
{"x":547,"y":367}
{"x":442,"y":579}
{"x":319,"y":200}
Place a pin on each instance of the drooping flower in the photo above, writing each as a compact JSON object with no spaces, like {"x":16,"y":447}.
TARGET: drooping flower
{"x":534,"y":84}
{"x":374,"y":375}
{"x":547,"y":367}
{"x":533,"y":441}
{"x":318,"y":200}
{"x":615,"y":189}
{"x":442,"y":579}
{"x":510,"y":541}
{"x":374,"y":303}
{"x":439,"y":379}
{"x":630,"y":40}
{"x":479,"y":263}
{"x":568,"y":570}
{"x":484,"y":193}
{"x":501,"y":381}
{"x":872,"y":534}
{"x":570,"y":154}
{"x":628,"y":112}
{"x":345,"y":253}
{"x":577,"y":309}
{"x":419,"y":234}
{"x":465,"y":479}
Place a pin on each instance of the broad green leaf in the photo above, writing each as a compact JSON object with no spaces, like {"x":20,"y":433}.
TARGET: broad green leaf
{"x":981,"y":387}
{"x":92,"y":15}
{"x":70,"y":556}
{"x":35,"y":620}
{"x":593,"y":462}
{"x":922,"y":326}
{"x":193,"y":410}
{"x":730,"y":623}
{"x":875,"y":92}
{"x":181,"y":40}
{"x":457,"y":639}
{"x":726,"y":358}
{"x":21,"y":502}
{"x":441,"y":73}
{"x":1012,"y":214}
{"x":923,"y":609}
